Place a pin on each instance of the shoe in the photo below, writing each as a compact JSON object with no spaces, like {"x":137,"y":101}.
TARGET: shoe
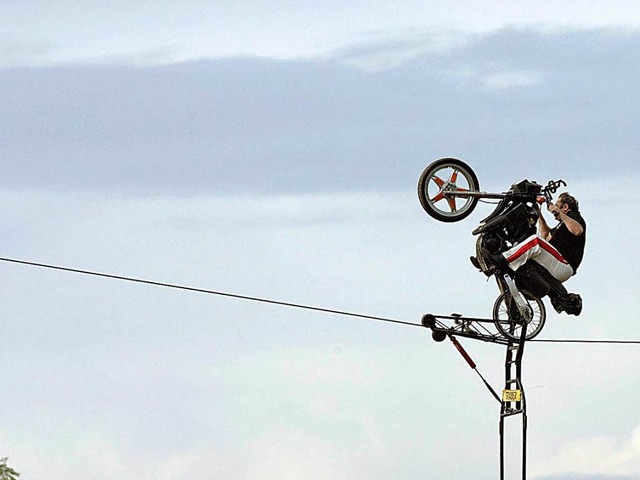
{"x":573,"y":304}
{"x":475,"y":263}
{"x":557,"y":303}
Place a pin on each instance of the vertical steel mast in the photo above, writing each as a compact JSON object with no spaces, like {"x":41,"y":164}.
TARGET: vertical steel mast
{"x":513,"y":399}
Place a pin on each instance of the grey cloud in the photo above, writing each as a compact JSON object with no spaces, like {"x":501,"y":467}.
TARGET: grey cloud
{"x":245,"y":125}
{"x":15,"y":52}
{"x":587,"y":477}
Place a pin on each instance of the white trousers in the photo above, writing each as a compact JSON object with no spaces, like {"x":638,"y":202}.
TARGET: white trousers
{"x":539,"y":250}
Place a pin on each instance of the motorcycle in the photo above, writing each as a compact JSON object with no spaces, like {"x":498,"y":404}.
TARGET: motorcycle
{"x":449,"y":191}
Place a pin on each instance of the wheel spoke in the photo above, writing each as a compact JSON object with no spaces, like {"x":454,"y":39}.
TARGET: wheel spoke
{"x":438,"y":181}
{"x":438,"y":197}
{"x":452,"y":204}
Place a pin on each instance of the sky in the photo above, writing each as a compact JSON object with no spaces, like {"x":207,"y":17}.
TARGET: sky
{"x":273,"y":149}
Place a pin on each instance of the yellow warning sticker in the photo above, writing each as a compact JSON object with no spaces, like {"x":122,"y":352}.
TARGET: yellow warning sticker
{"x":511,"y":395}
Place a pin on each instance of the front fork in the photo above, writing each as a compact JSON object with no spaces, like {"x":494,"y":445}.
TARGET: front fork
{"x":521,"y":303}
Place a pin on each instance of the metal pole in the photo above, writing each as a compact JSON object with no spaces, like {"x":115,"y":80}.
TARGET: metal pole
{"x":519,"y":401}
{"x":519,"y":355}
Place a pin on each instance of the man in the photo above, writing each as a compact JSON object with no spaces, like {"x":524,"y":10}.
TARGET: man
{"x":559,"y":250}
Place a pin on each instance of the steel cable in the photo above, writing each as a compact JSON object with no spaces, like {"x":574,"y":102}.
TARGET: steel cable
{"x":276,"y":302}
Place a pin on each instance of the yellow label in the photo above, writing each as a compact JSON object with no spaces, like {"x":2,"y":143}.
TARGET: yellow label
{"x":511,"y":395}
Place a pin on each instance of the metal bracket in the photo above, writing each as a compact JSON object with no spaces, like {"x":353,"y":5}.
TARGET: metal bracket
{"x":482,"y":329}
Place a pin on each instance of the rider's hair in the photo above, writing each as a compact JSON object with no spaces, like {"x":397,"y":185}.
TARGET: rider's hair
{"x":567,"y":199}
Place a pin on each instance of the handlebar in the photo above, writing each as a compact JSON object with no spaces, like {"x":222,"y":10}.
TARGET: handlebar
{"x":551,"y":188}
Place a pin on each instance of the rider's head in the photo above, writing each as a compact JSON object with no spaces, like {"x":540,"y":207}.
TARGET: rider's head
{"x":569,"y":201}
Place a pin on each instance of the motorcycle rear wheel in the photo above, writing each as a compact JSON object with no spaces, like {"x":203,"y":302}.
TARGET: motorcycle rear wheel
{"x":438,"y":184}
{"x":508,"y":320}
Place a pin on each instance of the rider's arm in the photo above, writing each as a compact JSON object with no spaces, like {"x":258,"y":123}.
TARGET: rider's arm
{"x":543,"y":228}
{"x":572,"y":225}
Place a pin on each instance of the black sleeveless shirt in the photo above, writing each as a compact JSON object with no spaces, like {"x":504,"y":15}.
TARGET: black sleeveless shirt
{"x":570,"y":246}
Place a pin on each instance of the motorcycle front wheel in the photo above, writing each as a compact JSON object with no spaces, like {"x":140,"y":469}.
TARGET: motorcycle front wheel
{"x":438,"y":186}
{"x":508,"y":320}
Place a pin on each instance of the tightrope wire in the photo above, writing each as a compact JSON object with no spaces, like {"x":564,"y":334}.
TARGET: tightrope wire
{"x":209,"y":292}
{"x":275,"y":302}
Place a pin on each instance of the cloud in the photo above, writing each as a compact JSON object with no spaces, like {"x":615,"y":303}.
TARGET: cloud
{"x":495,"y":78}
{"x":291,"y":455}
{"x":609,"y":457}
{"x":373,"y":54}
{"x":149,"y":381}
{"x":238,"y":126}
{"x":15,"y":53}
{"x":275,"y":29}
{"x":265,"y":178}
{"x":586,"y":477}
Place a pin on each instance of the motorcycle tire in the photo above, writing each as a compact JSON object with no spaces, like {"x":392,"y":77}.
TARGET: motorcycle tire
{"x":432,"y":189}
{"x":507,"y":318}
